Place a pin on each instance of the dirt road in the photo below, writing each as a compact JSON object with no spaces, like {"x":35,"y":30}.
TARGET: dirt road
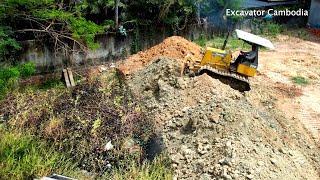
{"x":294,"y":57}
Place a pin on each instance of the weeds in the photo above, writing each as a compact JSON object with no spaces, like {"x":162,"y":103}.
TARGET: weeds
{"x":80,"y":121}
{"x":158,"y":169}
{"x":271,"y":29}
{"x":301,"y":33}
{"x":23,"y":156}
{"x":262,"y":27}
{"x":202,"y":41}
{"x":51,"y":83}
{"x":232,"y":44}
{"x":300,"y":80}
{"x":72,"y":127}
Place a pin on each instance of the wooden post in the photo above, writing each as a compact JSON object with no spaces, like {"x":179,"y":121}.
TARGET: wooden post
{"x":66,"y":78}
{"x":71,"y":77}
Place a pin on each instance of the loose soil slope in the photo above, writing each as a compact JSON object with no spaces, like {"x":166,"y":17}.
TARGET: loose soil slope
{"x":212,"y":131}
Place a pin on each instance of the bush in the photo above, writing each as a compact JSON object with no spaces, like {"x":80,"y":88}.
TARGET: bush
{"x":8,"y":45}
{"x":272,"y":28}
{"x":9,"y":76}
{"x":26,"y":70}
{"x":266,"y":28}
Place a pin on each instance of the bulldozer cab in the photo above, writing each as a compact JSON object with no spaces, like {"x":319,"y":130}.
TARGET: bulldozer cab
{"x":247,"y":62}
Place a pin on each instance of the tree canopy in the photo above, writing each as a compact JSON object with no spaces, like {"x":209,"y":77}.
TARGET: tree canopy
{"x":66,"y":23}
{"x":69,"y":23}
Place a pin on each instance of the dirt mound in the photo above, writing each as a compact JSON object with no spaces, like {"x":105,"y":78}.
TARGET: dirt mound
{"x":174,"y":47}
{"x":211,"y":131}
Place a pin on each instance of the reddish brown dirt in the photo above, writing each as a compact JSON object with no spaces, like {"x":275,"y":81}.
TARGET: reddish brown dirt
{"x":316,"y":32}
{"x":174,"y":47}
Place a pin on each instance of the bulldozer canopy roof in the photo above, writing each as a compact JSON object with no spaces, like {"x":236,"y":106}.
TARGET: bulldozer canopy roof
{"x":254,"y":39}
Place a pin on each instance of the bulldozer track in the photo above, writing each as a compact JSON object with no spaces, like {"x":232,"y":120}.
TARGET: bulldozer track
{"x":224,"y":73}
{"x":311,"y":123}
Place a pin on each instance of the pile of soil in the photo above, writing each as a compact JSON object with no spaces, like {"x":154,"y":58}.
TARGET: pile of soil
{"x":212,"y":131}
{"x":174,"y":47}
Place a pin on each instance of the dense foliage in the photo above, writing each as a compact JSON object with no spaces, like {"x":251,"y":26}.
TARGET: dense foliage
{"x":66,"y":23}
{"x":8,"y":45}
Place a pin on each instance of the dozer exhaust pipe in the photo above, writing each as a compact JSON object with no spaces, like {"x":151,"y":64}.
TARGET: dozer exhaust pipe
{"x":225,"y":41}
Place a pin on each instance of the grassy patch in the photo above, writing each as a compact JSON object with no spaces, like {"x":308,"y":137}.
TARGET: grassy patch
{"x":158,"y":169}
{"x":217,"y":42}
{"x":232,"y":44}
{"x":300,"y":80}
{"x":202,"y":42}
{"x":301,"y":33}
{"x":271,"y":29}
{"x":51,"y":83}
{"x":267,"y":28}
{"x":23,"y":156}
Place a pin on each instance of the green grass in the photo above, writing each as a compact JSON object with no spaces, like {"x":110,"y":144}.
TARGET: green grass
{"x":232,"y":44}
{"x":301,"y":33}
{"x":23,"y":156}
{"x":300,"y":80}
{"x":201,"y":42}
{"x":271,"y":29}
{"x":51,"y":83}
{"x":159,"y":168}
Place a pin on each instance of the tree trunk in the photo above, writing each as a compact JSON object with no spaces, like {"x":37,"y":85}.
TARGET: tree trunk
{"x":198,"y":13}
{"x":116,"y":13}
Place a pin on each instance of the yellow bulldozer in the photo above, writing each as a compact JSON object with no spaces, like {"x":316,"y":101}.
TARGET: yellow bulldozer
{"x":218,"y":62}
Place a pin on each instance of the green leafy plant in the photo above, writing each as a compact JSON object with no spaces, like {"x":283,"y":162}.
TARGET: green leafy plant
{"x":272,"y":28}
{"x":202,"y":41}
{"x":8,"y":45}
{"x":80,"y":28}
{"x":232,"y":44}
{"x":26,"y":69}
